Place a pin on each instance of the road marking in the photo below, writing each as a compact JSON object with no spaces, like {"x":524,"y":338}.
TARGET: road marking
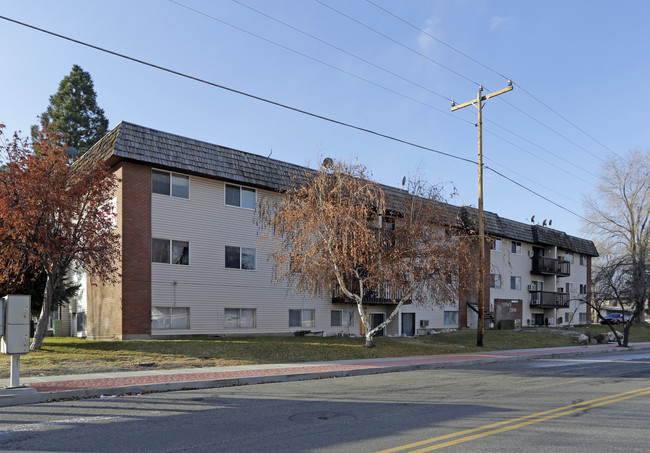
{"x":509,"y":425}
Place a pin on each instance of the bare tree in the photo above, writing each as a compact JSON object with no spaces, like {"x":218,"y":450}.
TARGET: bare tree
{"x":618,"y":217}
{"x":614,"y":283}
{"x":336,"y":231}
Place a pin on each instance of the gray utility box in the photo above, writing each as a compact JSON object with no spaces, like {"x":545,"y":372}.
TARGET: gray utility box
{"x":15,"y":334}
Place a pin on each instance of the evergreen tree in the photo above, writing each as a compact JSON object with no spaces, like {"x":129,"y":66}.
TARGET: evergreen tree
{"x":73,"y":111}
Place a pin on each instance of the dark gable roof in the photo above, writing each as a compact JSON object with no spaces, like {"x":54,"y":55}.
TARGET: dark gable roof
{"x":168,"y":151}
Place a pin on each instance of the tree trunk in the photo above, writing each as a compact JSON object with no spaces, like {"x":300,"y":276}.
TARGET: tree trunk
{"x":44,"y":317}
{"x":370,"y":341}
{"x":626,"y":333}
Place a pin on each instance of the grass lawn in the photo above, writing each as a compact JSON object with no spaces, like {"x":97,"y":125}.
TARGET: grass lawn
{"x":61,"y":356}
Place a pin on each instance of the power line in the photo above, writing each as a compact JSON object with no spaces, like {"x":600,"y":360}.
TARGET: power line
{"x":334,"y":47}
{"x":436,"y":39}
{"x":243,"y":93}
{"x":278,"y":104}
{"x":282,"y":46}
{"x":540,"y":147}
{"x":566,"y":119}
{"x":369,"y":81}
{"x":527,"y":177}
{"x":537,"y":194}
{"x":540,"y":158}
{"x":501,"y":75}
{"x":398,"y":43}
{"x":553,"y":130}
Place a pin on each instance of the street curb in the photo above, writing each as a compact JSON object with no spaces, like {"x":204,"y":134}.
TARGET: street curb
{"x":30,"y":396}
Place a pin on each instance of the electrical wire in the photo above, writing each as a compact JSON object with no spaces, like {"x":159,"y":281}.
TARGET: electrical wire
{"x":398,"y":43}
{"x":527,"y":177}
{"x":537,"y":194}
{"x":507,"y":78}
{"x":564,"y":170}
{"x":243,"y":93}
{"x":437,"y":39}
{"x":540,"y":147}
{"x":278,"y":104}
{"x":282,"y":46}
{"x":333,"y":47}
{"x":373,"y":83}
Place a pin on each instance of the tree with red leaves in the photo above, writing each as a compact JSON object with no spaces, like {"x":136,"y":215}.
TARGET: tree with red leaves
{"x":53,"y":213}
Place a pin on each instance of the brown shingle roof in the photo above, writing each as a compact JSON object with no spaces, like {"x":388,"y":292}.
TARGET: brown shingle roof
{"x":168,"y":151}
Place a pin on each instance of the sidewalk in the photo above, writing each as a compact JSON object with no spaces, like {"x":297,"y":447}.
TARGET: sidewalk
{"x":50,"y":388}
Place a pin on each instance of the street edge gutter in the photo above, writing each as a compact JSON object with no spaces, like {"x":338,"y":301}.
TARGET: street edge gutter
{"x":28,"y":395}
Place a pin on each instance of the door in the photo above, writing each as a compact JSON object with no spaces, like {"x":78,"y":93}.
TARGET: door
{"x":408,"y":324}
{"x":375,"y":320}
{"x":538,"y":319}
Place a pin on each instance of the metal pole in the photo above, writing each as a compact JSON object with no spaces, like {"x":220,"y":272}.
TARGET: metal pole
{"x":14,"y":372}
{"x":481,"y":233}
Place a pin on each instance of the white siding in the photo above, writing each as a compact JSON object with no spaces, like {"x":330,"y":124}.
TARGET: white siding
{"x":509,"y":264}
{"x":206,"y":285}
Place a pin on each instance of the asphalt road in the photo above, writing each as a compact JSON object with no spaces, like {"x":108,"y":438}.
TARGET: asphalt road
{"x":590,"y":403}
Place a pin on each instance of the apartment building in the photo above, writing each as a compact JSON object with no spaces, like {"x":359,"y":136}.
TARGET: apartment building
{"x":191,"y":263}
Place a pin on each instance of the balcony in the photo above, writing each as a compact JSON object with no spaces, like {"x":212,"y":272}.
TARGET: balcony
{"x":543,"y":265}
{"x":549,"y":299}
{"x":381,"y":296}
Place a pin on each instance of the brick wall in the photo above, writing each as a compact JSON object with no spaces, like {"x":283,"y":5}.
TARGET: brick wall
{"x":136,"y":251}
{"x":123,"y":310}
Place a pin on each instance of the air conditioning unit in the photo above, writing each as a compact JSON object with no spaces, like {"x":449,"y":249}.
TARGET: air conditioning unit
{"x":532,"y":287}
{"x":424,"y":323}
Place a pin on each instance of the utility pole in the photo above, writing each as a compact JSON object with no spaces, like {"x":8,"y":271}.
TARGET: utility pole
{"x":480,"y":99}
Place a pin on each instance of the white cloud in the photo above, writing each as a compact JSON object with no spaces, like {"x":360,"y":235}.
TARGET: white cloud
{"x":433,"y":29}
{"x":496,"y":21}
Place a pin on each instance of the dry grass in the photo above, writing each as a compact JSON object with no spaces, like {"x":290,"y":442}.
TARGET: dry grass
{"x":61,"y":356}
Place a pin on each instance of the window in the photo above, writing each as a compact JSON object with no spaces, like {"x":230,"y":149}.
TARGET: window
{"x":81,"y":322}
{"x":342,"y":318}
{"x":239,"y":318}
{"x":451,"y":318}
{"x":515,"y":283}
{"x":583,"y":288}
{"x":569,"y":257}
{"x":515,"y":247}
{"x":170,"y":317}
{"x":240,"y":258}
{"x":242,"y":197}
{"x":569,"y":287}
{"x":583,"y":260}
{"x":166,"y":183}
{"x":302,"y":318}
{"x":582,"y":318}
{"x":170,"y":251}
{"x":495,"y":281}
{"x":496,"y":245}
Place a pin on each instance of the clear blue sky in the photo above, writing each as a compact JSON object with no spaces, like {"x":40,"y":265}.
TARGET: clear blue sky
{"x":586,"y":59}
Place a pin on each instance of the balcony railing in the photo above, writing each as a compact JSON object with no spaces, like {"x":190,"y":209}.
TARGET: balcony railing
{"x":550,"y":266}
{"x":549,"y":299}
{"x":382,"y":295}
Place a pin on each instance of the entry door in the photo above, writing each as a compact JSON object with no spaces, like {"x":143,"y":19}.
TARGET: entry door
{"x":538,"y":319}
{"x":375,"y":320}
{"x":408,"y":324}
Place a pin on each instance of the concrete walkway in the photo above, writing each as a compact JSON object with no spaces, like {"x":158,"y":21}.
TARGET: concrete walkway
{"x":51,"y":388}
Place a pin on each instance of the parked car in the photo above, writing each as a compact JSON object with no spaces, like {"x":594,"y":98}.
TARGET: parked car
{"x":614,"y":318}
